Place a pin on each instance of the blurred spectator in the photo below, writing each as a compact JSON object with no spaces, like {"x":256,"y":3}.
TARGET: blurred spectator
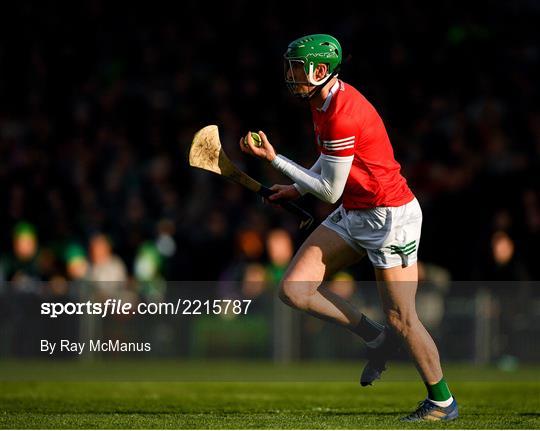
{"x":433,"y":285}
{"x":254,"y":282}
{"x":280,"y":249}
{"x":25,"y":243}
{"x":150,"y":283}
{"x":77,"y":265}
{"x":21,"y":269}
{"x":343,"y":284}
{"x":243,"y":268}
{"x":504,"y":264}
{"x":249,"y":248}
{"x":22,"y":266}
{"x":107,"y":271}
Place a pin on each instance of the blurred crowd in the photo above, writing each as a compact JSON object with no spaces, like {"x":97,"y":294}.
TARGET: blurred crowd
{"x":99,"y":102}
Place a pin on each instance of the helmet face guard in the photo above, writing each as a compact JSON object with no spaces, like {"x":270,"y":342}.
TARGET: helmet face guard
{"x":293,"y":67}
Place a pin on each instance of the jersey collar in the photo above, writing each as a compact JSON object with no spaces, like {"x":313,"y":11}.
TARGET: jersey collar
{"x":328,"y":99}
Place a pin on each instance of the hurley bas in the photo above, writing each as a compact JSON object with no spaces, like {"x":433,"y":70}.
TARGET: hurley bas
{"x":93,"y":346}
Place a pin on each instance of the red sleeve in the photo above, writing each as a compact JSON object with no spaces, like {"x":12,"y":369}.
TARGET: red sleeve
{"x":339,"y":137}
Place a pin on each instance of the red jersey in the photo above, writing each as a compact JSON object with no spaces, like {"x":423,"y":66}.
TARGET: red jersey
{"x":348,"y":125}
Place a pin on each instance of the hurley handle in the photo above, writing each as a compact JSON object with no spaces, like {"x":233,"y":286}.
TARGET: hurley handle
{"x":305,"y":217}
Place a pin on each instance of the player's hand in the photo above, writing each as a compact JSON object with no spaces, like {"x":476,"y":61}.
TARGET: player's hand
{"x":264,"y":152}
{"x":284,"y":192}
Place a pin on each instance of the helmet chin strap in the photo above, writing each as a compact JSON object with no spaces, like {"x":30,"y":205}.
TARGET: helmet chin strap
{"x":318,"y":87}
{"x":312,"y":79}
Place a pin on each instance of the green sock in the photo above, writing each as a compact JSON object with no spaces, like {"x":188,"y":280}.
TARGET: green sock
{"x":439,"y":391}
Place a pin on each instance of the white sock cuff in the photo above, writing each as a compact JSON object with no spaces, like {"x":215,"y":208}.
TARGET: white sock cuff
{"x":443,"y":403}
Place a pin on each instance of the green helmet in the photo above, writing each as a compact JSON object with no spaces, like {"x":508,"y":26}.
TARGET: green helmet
{"x":311,"y":51}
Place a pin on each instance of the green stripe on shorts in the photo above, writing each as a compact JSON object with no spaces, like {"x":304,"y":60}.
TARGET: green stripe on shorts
{"x":406,"y":249}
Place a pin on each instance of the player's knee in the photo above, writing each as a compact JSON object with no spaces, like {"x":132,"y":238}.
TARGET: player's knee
{"x":401,"y":321}
{"x":294,"y":293}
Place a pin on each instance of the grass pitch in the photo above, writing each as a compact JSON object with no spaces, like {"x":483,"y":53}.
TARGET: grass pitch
{"x":251,"y":395}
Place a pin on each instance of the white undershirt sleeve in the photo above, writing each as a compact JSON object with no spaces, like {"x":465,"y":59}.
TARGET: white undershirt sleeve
{"x":327,"y":185}
{"x":316,"y":168}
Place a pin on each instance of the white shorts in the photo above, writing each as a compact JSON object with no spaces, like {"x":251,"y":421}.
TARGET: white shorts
{"x":389,"y":235}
